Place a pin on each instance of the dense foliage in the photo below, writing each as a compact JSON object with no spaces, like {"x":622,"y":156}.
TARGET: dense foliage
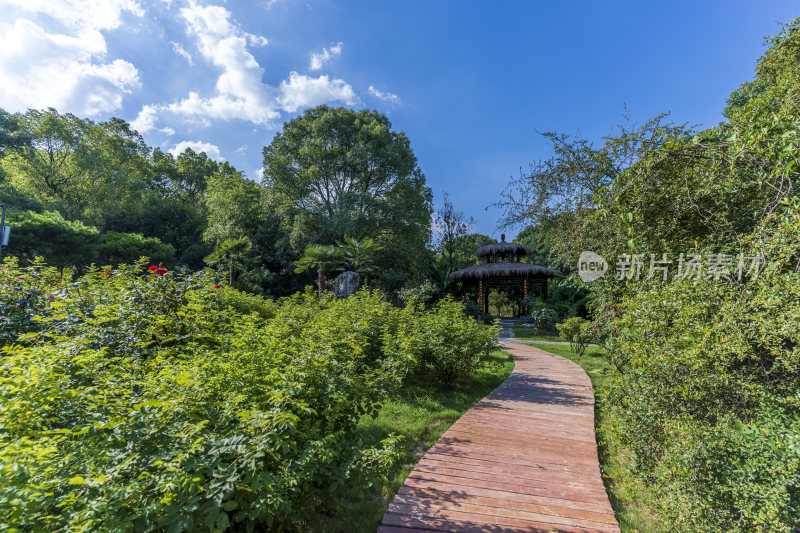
{"x":141,"y":399}
{"x":577,"y":331}
{"x":73,"y":244}
{"x":710,"y":393}
{"x":703,"y":417}
{"x":329,"y":174}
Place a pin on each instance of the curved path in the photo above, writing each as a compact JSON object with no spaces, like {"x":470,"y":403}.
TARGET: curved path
{"x":522,"y":459}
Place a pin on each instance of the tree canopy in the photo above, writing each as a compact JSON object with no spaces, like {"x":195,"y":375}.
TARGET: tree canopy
{"x":337,"y":172}
{"x":331,"y":175}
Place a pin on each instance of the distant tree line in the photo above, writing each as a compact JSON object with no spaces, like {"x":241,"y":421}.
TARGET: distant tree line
{"x":84,"y":192}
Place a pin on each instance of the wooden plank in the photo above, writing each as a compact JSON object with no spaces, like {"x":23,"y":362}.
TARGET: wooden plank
{"x":535,"y":513}
{"x":408,"y":495}
{"x":455,"y":522}
{"x":493,"y":515}
{"x":523,"y":459}
{"x":415,"y":485}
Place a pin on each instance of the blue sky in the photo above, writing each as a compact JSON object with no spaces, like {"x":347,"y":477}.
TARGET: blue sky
{"x":469,"y":82}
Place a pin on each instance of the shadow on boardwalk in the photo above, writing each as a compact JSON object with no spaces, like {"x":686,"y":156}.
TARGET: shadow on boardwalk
{"x":539,"y":390}
{"x":522,"y":459}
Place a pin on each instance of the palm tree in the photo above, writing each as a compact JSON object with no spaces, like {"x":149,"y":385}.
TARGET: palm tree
{"x":359,"y":255}
{"x":233,"y":253}
{"x":321,"y":258}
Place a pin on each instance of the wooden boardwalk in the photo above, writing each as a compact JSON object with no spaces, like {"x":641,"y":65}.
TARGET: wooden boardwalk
{"x":522,"y":459}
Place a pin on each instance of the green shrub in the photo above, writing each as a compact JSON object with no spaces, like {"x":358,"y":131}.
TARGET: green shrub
{"x":64,"y":242}
{"x":709,"y":393}
{"x":542,"y":318}
{"x":426,"y":293}
{"x":443,"y":340}
{"x":25,"y":297}
{"x":578,"y":332}
{"x":246,"y":303}
{"x":114,"y":248}
{"x":68,"y":243}
{"x":138,"y":399}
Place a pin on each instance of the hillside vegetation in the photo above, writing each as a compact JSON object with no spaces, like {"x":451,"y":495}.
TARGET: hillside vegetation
{"x":138,"y":399}
{"x":702,"y":420}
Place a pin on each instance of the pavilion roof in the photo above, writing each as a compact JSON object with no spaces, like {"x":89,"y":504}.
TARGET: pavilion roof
{"x":504,"y":269}
{"x":503,"y":248}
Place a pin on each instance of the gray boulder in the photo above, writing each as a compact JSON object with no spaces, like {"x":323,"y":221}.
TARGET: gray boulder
{"x":346,"y":284}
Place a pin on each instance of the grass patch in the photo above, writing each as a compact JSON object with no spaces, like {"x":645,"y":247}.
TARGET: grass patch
{"x":594,"y":361}
{"x":629,"y":502}
{"x":423,"y":410}
{"x":531,"y":333}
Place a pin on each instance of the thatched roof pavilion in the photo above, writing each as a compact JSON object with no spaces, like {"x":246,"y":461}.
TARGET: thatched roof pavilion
{"x":501,"y":266}
{"x":490,"y":270}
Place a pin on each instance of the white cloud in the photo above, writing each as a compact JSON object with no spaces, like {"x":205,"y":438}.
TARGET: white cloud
{"x":259,"y":174}
{"x":305,"y":91}
{"x":82,"y":14}
{"x":211,"y":150}
{"x":239,"y":93}
{"x":181,"y":51}
{"x":68,"y":67}
{"x":318,"y":59}
{"x":239,"y":90}
{"x":386,"y":97}
{"x":256,"y":40}
{"x":146,"y":119}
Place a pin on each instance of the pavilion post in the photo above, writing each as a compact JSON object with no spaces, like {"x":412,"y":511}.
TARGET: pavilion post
{"x":544,"y":289}
{"x":525,"y":309}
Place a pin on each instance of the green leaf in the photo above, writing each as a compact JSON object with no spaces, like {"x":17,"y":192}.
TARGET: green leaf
{"x":230,"y":505}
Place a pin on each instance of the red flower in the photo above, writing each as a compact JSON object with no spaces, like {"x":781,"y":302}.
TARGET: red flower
{"x":161,"y":271}
{"x":217,"y":286}
{"x":152,"y":268}
{"x":20,"y":277}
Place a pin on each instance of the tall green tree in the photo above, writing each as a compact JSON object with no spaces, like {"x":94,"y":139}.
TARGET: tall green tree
{"x":465,"y":247}
{"x":233,"y":207}
{"x":182,"y":215}
{"x":12,"y":134}
{"x":13,"y":139}
{"x":337,"y":172}
{"x":49,"y":161}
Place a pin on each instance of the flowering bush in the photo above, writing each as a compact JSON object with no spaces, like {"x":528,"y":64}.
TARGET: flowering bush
{"x":143,"y":401}
{"x":25,"y":299}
